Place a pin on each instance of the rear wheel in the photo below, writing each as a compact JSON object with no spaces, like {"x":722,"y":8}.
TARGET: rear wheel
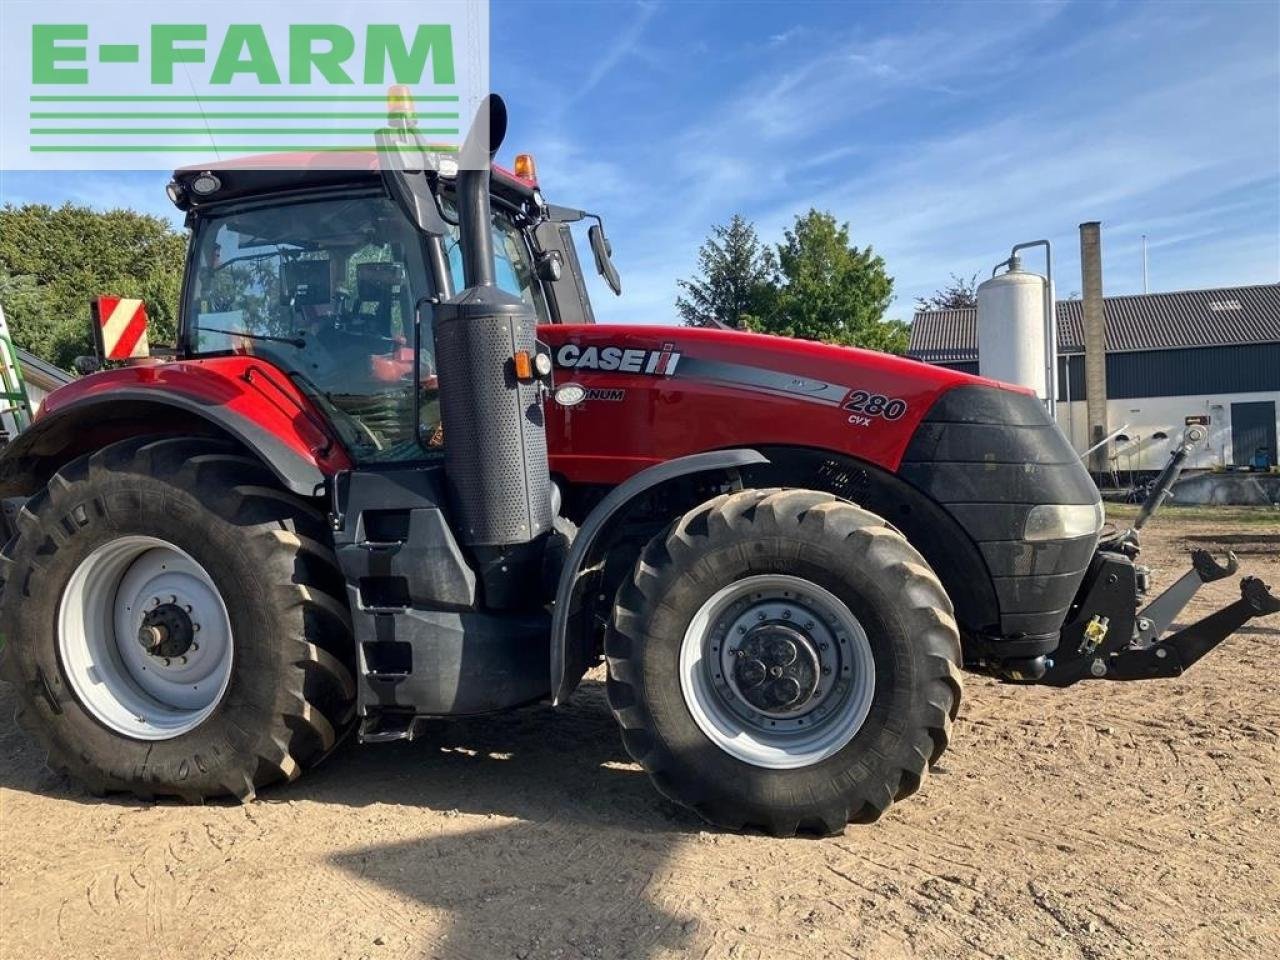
{"x":784,"y":660}
{"x":175,"y":622}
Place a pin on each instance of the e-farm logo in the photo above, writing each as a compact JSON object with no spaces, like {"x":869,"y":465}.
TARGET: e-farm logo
{"x":148,"y":84}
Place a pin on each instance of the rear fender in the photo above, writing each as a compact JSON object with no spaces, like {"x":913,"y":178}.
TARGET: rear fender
{"x":569,"y":635}
{"x":245,"y":400}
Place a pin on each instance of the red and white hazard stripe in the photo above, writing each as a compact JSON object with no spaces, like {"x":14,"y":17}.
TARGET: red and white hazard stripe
{"x":123,"y":324}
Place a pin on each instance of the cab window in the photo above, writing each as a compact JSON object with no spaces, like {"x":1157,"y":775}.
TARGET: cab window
{"x":326,"y":291}
{"x":513,"y":265}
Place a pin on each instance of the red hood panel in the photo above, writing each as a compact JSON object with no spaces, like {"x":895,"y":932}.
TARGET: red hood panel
{"x":656,"y":393}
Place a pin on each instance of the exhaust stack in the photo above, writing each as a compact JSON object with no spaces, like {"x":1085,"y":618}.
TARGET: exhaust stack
{"x":496,"y":444}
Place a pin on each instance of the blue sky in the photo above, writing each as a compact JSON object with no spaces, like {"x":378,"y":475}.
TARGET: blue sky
{"x":942,"y":133}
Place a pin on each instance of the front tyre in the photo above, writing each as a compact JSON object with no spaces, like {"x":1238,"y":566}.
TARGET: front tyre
{"x":174,"y":624}
{"x":784,"y":660}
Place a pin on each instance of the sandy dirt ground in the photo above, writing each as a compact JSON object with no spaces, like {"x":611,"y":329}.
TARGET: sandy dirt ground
{"x":1110,"y":820}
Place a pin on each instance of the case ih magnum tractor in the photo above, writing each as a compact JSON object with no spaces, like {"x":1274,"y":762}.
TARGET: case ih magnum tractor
{"x":395,"y":472}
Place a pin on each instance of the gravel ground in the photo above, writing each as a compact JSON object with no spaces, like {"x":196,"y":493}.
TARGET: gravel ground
{"x":1110,"y":820}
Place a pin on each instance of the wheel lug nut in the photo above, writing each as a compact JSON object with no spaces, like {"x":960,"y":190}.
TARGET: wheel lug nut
{"x":808,"y":624}
{"x":826,"y":671}
{"x":195,"y":647}
{"x":195,"y":628}
{"x":786,"y":614}
{"x":760,"y":615}
{"x":182,"y":660}
{"x":167,"y":661}
{"x":187,"y":608}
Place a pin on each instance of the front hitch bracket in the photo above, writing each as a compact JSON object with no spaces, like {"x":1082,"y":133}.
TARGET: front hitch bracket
{"x":1174,"y":654}
{"x":1106,"y":640}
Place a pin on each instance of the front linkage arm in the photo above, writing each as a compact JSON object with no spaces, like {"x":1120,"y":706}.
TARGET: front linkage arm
{"x":1174,"y":654}
{"x":1106,"y":640}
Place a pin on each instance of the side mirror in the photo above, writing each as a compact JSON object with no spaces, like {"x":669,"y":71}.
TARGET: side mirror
{"x":408,"y":184}
{"x":603,"y":252}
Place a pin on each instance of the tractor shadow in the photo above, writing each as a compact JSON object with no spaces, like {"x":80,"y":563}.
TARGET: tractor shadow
{"x":528,"y":834}
{"x":566,"y":861}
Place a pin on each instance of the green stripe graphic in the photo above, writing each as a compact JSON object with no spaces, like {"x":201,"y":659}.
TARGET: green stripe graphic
{"x":41,"y":115}
{"x":203,"y":131}
{"x":230,"y":98}
{"x":248,"y":148}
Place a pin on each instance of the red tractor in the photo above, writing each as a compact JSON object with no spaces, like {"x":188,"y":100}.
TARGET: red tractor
{"x":396,"y":472}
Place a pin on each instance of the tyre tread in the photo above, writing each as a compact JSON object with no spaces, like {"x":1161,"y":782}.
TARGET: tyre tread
{"x":315,"y":708}
{"x":925,"y":603}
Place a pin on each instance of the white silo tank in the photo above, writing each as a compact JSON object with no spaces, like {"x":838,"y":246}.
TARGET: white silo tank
{"x":1012,"y":327}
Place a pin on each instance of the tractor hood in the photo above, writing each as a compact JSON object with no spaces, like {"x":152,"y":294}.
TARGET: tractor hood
{"x":654,"y":393}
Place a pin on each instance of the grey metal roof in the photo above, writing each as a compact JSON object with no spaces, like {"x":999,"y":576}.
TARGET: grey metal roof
{"x":1226,"y":316}
{"x":42,"y":373}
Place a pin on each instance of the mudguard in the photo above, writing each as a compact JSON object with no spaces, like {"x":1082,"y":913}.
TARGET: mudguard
{"x":242,"y":397}
{"x":563,"y":679}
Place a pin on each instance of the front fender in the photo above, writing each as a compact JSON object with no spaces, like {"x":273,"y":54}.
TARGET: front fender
{"x":240,"y":397}
{"x":568,"y":659}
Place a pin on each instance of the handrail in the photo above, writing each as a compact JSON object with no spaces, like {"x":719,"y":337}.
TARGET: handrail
{"x":15,"y":412}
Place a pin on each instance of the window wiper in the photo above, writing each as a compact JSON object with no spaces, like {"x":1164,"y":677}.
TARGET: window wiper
{"x":246,"y":257}
{"x":298,"y":342}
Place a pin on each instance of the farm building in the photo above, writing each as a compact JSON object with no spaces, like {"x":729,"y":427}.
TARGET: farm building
{"x":1170,"y":356}
{"x":41,"y":378}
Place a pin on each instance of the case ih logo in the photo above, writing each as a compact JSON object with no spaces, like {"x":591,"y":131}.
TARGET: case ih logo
{"x":659,"y":363}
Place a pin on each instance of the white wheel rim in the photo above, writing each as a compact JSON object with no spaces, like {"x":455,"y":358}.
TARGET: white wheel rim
{"x":120,"y":588}
{"x":800,"y":735}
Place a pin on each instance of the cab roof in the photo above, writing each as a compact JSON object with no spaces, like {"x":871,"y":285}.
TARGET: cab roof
{"x":289,"y":172}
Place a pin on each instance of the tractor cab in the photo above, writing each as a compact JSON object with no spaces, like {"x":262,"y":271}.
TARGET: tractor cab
{"x":324,"y":274}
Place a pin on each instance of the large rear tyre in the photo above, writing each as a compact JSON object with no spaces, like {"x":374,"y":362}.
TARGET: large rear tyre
{"x":174,"y":623}
{"x":783,"y":660}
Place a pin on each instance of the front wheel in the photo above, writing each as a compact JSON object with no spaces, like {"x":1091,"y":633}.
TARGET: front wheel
{"x":784,"y":660}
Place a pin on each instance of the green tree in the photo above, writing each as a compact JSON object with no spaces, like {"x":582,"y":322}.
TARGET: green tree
{"x":959,"y":294}
{"x":826,"y":289}
{"x":53,"y":261}
{"x":734,"y":275}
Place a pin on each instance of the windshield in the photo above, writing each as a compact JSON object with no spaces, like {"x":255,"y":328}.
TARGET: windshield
{"x":325,"y":290}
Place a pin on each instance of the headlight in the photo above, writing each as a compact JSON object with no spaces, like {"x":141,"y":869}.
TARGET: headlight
{"x":1063,"y":521}
{"x":570,"y":394}
{"x":206,"y":184}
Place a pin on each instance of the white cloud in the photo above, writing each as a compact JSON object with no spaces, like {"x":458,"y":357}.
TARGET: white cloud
{"x":1106,"y":127}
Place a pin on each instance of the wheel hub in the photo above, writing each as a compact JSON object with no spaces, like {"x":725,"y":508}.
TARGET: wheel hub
{"x":777,"y":671}
{"x":145,"y":638}
{"x":777,"y":668}
{"x":167,"y":631}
